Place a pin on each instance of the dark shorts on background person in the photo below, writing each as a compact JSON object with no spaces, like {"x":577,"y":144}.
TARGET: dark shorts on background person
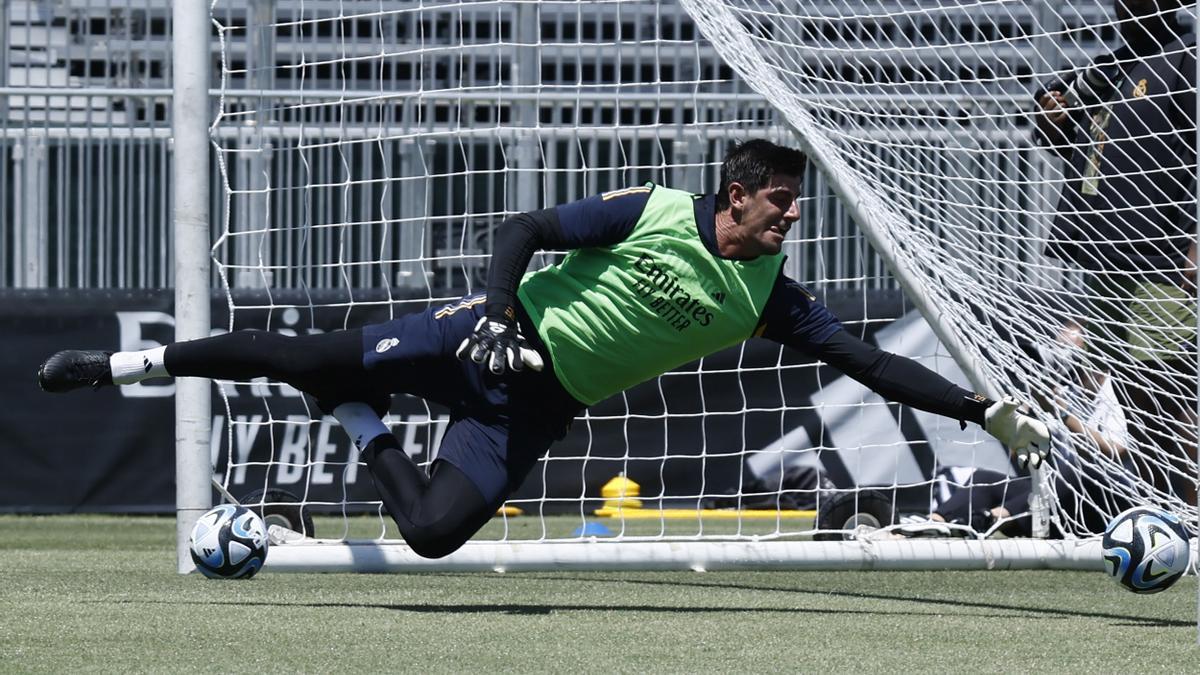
{"x":499,"y":426}
{"x":1133,"y":319}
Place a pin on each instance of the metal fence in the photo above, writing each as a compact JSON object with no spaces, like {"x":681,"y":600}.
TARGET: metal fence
{"x":420,"y":125}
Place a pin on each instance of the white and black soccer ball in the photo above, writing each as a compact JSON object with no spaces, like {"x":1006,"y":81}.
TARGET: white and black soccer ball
{"x":1146,"y":549}
{"x":229,"y":542}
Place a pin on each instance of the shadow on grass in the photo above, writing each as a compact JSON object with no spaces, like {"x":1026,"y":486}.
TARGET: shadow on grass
{"x":499,"y":608}
{"x":1047,"y":612}
{"x":519,"y":609}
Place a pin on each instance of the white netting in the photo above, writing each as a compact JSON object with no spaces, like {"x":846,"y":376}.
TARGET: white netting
{"x":925,"y":113}
{"x":369,"y":150}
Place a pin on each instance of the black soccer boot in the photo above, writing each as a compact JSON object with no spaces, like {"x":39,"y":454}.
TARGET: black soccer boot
{"x":74,"y":368}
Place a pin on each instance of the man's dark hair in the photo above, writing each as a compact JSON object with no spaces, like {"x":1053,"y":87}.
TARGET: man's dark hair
{"x":753,"y":163}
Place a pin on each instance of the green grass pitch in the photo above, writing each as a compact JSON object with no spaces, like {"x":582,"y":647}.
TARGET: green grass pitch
{"x":100,"y":594}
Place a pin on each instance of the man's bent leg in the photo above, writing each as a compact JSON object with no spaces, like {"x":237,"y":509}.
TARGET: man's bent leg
{"x":437,"y":515}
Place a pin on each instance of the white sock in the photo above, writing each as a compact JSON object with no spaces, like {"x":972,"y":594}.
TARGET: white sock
{"x":131,"y":367}
{"x":360,"y":422}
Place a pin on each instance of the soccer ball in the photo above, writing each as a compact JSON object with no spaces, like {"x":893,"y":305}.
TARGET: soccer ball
{"x":229,"y":542}
{"x":1146,"y":549}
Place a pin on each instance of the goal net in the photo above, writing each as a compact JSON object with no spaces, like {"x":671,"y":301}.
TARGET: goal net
{"x":369,"y":151}
{"x":1051,"y":237}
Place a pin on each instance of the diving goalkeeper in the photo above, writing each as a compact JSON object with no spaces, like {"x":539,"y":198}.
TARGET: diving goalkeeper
{"x":655,"y":278}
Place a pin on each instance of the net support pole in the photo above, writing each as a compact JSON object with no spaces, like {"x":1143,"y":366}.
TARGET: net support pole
{"x":189,"y":123}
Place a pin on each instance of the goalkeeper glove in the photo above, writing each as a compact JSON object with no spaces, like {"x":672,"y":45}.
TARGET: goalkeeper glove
{"x":497,"y":341}
{"x":1027,"y":437}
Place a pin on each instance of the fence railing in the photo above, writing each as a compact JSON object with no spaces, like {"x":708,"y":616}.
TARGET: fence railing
{"x":85,"y":151}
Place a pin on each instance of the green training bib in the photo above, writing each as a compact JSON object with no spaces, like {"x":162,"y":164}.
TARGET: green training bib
{"x":615,"y":316}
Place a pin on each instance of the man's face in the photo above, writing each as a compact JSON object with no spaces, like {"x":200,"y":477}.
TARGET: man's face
{"x":764,"y":217}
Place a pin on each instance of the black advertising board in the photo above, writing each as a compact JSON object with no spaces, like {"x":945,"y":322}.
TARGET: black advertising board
{"x":112,"y":450}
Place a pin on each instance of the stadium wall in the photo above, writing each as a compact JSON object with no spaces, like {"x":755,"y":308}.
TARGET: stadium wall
{"x":72,"y":453}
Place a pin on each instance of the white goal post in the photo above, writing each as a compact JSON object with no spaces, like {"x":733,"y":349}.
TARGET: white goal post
{"x":368,"y":151}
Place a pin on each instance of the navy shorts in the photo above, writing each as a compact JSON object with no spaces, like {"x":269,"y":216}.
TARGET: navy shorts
{"x":499,"y":426}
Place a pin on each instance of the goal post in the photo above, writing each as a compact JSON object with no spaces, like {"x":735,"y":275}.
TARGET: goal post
{"x":367,"y":155}
{"x":191,"y":146}
{"x":862,"y":554}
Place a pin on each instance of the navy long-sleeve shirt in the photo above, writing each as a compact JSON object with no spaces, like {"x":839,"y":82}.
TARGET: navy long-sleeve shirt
{"x":792,"y":316}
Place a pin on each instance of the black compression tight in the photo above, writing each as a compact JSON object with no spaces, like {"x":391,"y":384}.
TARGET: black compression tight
{"x":435,"y":515}
{"x":324,"y":364}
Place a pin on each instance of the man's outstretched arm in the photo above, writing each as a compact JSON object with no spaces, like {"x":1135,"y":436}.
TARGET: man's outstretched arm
{"x":900,"y":379}
{"x":793,"y":317}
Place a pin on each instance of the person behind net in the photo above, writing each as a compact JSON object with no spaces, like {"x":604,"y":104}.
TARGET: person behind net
{"x":1125,"y":126}
{"x":655,"y":278}
{"x":1093,"y":458}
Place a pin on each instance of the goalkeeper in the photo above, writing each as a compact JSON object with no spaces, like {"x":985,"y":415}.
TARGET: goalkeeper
{"x":656,"y":278}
